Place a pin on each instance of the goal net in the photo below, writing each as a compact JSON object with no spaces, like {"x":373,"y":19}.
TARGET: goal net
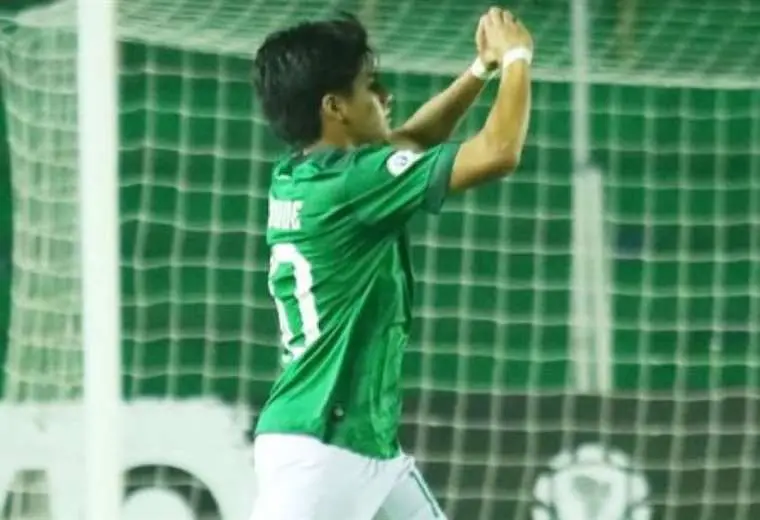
{"x":493,"y":413}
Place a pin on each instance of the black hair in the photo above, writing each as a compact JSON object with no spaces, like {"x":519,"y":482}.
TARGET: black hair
{"x":296,"y":67}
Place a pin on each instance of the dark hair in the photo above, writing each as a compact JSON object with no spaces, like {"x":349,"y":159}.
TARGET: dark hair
{"x":294,"y":68}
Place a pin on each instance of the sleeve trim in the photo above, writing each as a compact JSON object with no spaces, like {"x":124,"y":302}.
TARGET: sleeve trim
{"x":438,"y":184}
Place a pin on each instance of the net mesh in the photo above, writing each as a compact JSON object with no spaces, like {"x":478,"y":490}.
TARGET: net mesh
{"x":675,"y":122}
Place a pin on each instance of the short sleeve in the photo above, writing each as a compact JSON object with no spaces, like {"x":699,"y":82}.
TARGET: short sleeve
{"x":386,"y":185}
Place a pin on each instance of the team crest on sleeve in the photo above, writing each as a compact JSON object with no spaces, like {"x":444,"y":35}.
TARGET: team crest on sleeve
{"x":401,"y":161}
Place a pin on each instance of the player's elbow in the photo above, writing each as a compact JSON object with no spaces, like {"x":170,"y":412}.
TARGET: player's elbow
{"x":506,"y":161}
{"x":479,"y":162}
{"x":502,"y":157}
{"x":503,"y":144}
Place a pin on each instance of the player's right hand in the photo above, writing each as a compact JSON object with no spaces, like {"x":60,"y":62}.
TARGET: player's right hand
{"x":503,"y":32}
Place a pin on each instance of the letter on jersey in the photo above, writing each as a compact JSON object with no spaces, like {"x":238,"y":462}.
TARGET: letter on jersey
{"x":285,"y":214}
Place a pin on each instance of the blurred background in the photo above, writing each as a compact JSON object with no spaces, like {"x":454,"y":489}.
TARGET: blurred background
{"x":608,"y":293}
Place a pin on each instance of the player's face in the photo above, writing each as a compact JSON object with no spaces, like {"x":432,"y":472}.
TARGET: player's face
{"x":369,"y":108}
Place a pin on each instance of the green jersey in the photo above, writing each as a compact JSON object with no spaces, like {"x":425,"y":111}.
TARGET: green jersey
{"x":341,"y":279}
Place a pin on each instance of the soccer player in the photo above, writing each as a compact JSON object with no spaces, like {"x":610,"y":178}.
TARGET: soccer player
{"x":340,"y":275}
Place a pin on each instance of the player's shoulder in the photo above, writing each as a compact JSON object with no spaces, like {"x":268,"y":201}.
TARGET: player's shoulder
{"x":323,"y":167}
{"x":319,"y":164}
{"x":339,"y":160}
{"x":385,"y":159}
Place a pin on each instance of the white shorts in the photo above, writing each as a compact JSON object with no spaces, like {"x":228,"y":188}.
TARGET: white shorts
{"x":301,"y":478}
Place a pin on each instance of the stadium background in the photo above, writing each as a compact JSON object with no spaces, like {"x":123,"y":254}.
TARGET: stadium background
{"x":656,"y":230}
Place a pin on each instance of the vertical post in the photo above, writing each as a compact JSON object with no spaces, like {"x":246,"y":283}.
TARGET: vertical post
{"x":99,"y":202}
{"x":591,"y":336}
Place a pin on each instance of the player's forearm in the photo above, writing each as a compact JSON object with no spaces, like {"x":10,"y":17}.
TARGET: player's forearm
{"x":495,"y":151}
{"x":435,"y":121}
{"x":507,"y":123}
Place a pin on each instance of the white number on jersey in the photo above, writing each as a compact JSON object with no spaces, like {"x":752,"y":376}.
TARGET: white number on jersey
{"x":287,"y":254}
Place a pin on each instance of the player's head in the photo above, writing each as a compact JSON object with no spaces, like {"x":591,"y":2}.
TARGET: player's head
{"x":317,"y":82}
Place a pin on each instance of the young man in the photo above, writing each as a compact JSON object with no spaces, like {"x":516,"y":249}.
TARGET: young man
{"x":340,"y":273}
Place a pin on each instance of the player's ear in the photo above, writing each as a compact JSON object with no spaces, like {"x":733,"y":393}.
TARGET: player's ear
{"x":334,"y":108}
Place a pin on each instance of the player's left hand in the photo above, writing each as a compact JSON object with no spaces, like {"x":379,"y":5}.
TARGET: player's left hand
{"x":486,"y":53}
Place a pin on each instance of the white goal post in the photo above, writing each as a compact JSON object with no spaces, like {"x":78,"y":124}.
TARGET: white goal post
{"x":98,"y":145}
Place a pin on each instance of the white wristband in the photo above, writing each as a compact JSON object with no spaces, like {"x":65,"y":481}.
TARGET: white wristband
{"x":479,"y":70}
{"x":516,"y":54}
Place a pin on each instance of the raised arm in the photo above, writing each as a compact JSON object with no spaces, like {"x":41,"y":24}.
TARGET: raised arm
{"x":496,"y":149}
{"x":435,"y":121}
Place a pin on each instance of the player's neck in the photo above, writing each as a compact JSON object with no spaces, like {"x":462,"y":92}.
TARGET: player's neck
{"x":331,"y":141}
